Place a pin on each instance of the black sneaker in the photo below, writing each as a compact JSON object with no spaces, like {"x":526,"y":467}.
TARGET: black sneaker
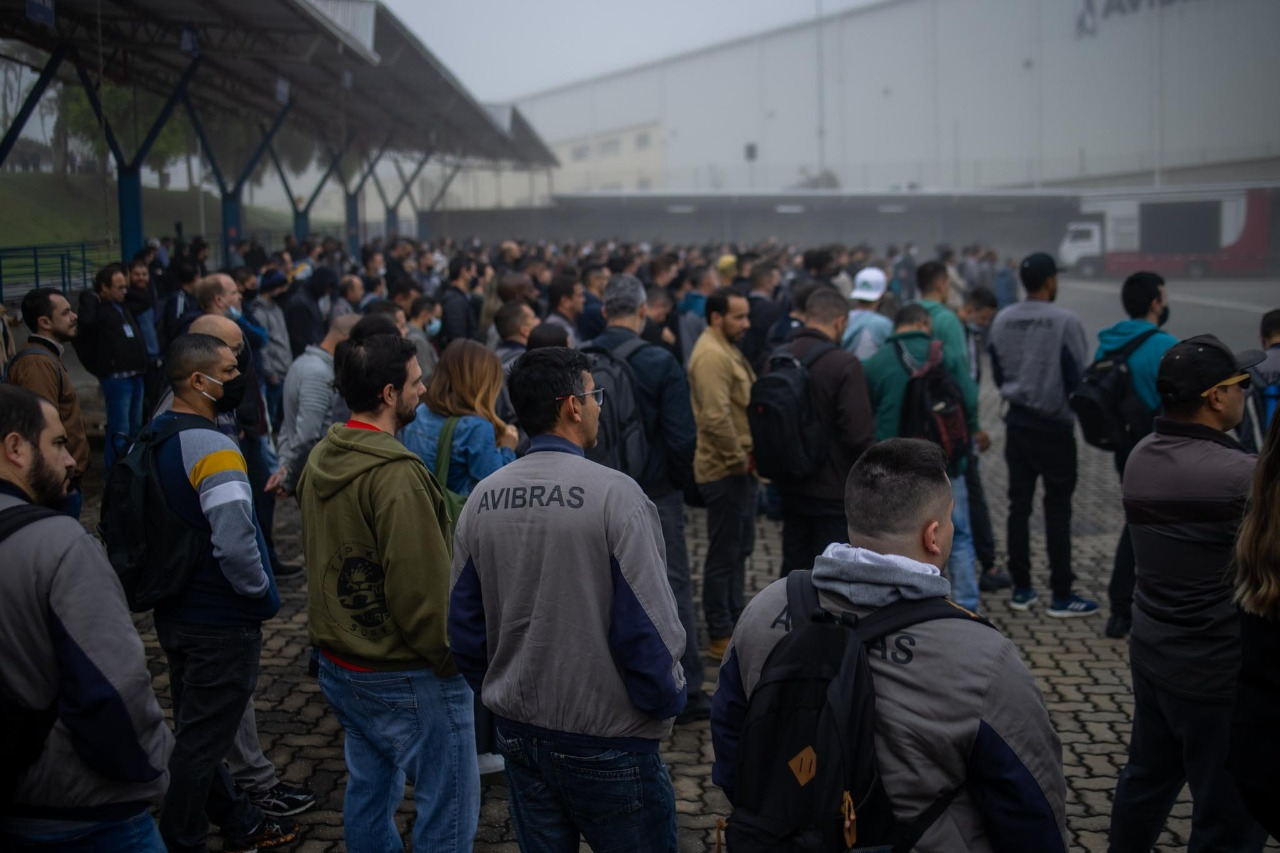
{"x":994,"y":581}
{"x":1118,"y":626}
{"x":286,"y":569}
{"x":284,"y":800}
{"x":270,"y":833}
{"x":697,"y":708}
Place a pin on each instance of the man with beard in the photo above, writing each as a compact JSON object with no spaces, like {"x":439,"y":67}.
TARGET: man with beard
{"x":39,"y":368}
{"x":377,"y":556}
{"x":211,"y":629}
{"x":85,"y":742}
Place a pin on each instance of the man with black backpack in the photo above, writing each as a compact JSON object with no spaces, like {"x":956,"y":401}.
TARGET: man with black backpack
{"x":915,"y":396}
{"x":830,"y":390}
{"x":85,"y":743}
{"x":1138,"y":344}
{"x":661,"y":392}
{"x":857,"y":707}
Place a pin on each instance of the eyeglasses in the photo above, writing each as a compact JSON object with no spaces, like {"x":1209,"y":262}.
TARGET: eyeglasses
{"x":597,"y":393}
{"x":1241,"y":379}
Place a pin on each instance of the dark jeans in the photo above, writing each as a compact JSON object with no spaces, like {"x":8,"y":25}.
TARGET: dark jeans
{"x":212,"y":672}
{"x":984,"y":537}
{"x":137,"y":834}
{"x":671,"y":515}
{"x":808,"y":527}
{"x":1176,"y":741}
{"x":1123,"y":577}
{"x":260,"y":463}
{"x":731,"y":536}
{"x":274,"y":395}
{"x":1031,"y":454}
{"x":617,"y":801}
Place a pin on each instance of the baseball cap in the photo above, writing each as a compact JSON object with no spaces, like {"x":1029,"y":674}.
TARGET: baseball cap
{"x":869,"y":285}
{"x":1036,"y":269}
{"x":1192,"y":367}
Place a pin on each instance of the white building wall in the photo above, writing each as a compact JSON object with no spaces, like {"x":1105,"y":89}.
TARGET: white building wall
{"x":965,"y":93}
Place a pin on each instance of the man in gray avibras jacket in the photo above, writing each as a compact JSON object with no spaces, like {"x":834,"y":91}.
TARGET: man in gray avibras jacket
{"x":956,"y":707}
{"x":562,"y":619}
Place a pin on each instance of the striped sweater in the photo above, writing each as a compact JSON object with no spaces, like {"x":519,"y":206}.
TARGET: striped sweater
{"x":204,"y":479}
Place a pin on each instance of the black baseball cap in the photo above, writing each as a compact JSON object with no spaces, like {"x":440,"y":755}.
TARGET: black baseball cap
{"x":1195,"y":366}
{"x":1036,"y":269}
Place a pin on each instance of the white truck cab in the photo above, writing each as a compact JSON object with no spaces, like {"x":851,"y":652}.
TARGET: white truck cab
{"x":1081,"y":249}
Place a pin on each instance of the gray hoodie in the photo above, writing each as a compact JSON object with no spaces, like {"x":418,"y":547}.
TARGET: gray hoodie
{"x":955,"y":707}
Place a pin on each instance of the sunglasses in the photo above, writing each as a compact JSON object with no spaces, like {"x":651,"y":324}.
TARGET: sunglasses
{"x":597,"y":394}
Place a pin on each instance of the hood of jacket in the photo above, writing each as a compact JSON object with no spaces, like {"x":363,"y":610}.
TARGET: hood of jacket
{"x":870,"y":579}
{"x":350,"y":453}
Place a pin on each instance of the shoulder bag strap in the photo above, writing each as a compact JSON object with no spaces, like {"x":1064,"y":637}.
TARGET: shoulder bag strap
{"x":15,"y":518}
{"x":444,"y":449}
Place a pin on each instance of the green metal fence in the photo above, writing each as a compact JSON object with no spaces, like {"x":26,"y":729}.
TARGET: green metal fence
{"x":66,"y":266}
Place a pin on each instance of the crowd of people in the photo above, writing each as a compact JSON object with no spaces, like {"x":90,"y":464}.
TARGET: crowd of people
{"x":494,"y":448}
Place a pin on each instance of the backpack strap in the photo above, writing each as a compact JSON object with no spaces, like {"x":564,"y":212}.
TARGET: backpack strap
{"x":817,"y":352}
{"x":903,"y":614}
{"x":36,"y":350}
{"x":15,"y":518}
{"x":802,"y":595}
{"x":444,"y":449}
{"x":1123,"y":353}
{"x":630,"y":347}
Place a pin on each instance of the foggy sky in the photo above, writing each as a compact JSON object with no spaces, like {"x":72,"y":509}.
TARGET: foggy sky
{"x":504,"y":49}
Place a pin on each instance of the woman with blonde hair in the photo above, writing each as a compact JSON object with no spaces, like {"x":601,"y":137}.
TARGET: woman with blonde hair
{"x":459,"y":407}
{"x":1255,"y":728}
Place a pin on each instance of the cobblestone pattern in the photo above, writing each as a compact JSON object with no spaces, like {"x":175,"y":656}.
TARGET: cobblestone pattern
{"x":1084,"y":677}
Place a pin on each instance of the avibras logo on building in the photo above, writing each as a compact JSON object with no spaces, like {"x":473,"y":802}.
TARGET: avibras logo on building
{"x":1093,"y":12}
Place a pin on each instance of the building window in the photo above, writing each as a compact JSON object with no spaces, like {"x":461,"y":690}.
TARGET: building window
{"x":642,"y":140}
{"x":580,"y":153}
{"x":610,"y":148}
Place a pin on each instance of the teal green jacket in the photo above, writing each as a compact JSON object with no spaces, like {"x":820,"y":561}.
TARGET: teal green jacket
{"x":887,"y":381}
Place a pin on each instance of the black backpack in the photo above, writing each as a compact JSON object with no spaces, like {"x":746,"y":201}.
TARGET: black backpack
{"x":933,"y":404}
{"x":1111,"y":414}
{"x":152,"y":549}
{"x":806,"y":760}
{"x":622,"y":442}
{"x":25,"y":729}
{"x":787,"y":435}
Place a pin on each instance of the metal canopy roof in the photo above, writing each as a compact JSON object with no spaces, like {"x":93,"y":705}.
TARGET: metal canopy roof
{"x":533,"y":150}
{"x":339,"y":86}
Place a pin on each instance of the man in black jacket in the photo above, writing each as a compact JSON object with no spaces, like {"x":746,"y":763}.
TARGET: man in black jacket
{"x":457,"y":319}
{"x":109,"y":334}
{"x":813,"y":513}
{"x":662,"y":392}
{"x":302,"y":315}
{"x":1185,"y":488}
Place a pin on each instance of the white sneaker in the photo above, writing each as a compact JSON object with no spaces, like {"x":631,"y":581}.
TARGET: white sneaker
{"x":490,"y":762}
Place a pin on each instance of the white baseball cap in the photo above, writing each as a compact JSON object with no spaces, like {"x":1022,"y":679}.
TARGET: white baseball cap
{"x":869,"y":285}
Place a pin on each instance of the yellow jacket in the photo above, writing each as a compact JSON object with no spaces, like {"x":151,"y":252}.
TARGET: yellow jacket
{"x":720,"y":382}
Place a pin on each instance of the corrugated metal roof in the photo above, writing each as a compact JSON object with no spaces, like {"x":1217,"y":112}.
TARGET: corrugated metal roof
{"x":356,"y":17}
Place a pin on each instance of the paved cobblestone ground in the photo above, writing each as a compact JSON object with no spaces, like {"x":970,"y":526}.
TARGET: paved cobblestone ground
{"x":1084,"y":677}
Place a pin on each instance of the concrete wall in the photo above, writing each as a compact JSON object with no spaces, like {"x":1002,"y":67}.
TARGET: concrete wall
{"x":955,"y":93}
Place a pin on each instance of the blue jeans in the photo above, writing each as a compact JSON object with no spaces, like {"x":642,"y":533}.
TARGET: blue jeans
{"x":74,"y":501}
{"x":123,"y":399}
{"x":619,"y":802}
{"x":962,"y":567}
{"x":274,"y":395}
{"x":213,"y":670}
{"x":137,"y":834}
{"x":147,"y":326}
{"x":406,"y":724}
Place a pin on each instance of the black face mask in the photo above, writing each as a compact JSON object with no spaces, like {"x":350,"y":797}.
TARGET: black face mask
{"x":249,"y":295}
{"x":232,"y":393}
{"x":1164,"y":316}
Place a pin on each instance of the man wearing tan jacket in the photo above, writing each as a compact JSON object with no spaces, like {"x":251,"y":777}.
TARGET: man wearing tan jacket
{"x":38,"y":367}
{"x":720,"y":380}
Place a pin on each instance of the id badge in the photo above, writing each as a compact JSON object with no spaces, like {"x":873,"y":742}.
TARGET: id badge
{"x":128,"y":330}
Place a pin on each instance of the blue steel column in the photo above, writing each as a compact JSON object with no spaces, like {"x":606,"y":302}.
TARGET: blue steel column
{"x":129,"y":197}
{"x":391,"y":224}
{"x":353,"y":223}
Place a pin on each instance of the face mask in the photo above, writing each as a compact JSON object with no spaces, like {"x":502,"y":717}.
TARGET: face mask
{"x":234,"y":313}
{"x":232,"y":393}
{"x":433,"y":328}
{"x":250,"y":295}
{"x":1164,"y":316}
{"x":380,"y":272}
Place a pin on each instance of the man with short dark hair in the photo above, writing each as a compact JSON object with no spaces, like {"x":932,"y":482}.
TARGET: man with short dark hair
{"x":302,"y":314}
{"x":458,"y":319}
{"x":764,"y":312}
{"x":39,"y":367}
{"x":813,"y":504}
{"x":591,"y":321}
{"x":211,"y":631}
{"x":347,"y":298}
{"x":1038,"y":356}
{"x":720,"y":383}
{"x":693,"y":309}
{"x":423,"y":317}
{"x":662,"y":393}
{"x":1185,"y":490}
{"x":513,"y":323}
{"x":78,"y":699}
{"x":566,"y":299}
{"x":118,"y":356}
{"x":375,"y":536}
{"x":957,"y":709}
{"x":181,"y":304}
{"x":549,"y":529}
{"x":1146,"y":303}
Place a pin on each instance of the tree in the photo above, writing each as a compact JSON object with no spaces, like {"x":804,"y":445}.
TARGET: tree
{"x":130,"y":114}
